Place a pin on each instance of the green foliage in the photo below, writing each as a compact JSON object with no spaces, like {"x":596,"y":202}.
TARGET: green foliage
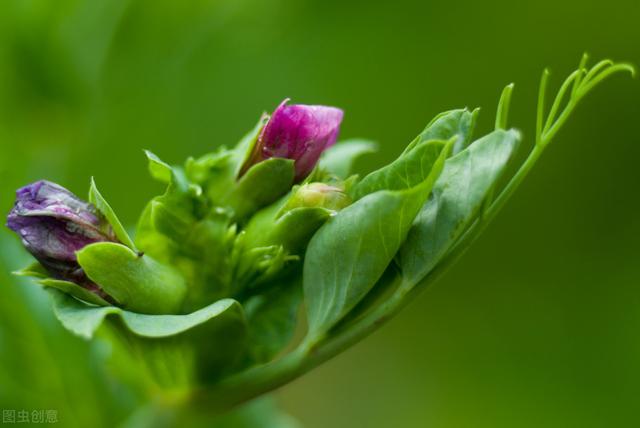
{"x":458,"y":195}
{"x":409,"y":170}
{"x":454,"y":123}
{"x":349,"y":254}
{"x":339,"y":159}
{"x":209,"y":305}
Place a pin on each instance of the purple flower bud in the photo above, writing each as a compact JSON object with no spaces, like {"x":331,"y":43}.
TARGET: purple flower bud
{"x":53,"y":224}
{"x":298,"y":132}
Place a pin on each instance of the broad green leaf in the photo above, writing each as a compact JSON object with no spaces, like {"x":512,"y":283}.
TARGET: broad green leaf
{"x":84,"y":320}
{"x":348,"y":255}
{"x":446,"y":125}
{"x":407,"y":171}
{"x":260,"y":186}
{"x":340,"y":158}
{"x":101,"y":205}
{"x":457,"y":196}
{"x":75,"y":290}
{"x":137,"y":282}
{"x":272,"y":319}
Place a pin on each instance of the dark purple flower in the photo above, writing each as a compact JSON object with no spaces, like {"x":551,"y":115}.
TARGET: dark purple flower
{"x":53,"y":224}
{"x":298,"y":132}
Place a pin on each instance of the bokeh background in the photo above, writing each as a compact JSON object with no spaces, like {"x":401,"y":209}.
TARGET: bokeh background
{"x":538,"y":325}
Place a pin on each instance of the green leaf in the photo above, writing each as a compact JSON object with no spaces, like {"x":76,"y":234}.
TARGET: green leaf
{"x":84,"y":320}
{"x":101,"y":205}
{"x":75,"y":290}
{"x":137,"y":282}
{"x":458,"y":194}
{"x":446,"y":125}
{"x":409,"y":170}
{"x":348,"y":255}
{"x":272,"y":320}
{"x":339,"y":159}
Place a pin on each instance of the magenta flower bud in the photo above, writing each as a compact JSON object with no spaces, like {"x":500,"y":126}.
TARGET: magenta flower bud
{"x":298,"y":132}
{"x":53,"y":224}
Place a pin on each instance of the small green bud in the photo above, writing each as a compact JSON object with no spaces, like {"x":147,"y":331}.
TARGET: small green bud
{"x":318,"y":195}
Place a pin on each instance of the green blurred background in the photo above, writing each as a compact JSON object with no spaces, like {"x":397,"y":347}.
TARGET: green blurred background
{"x":536,"y":327}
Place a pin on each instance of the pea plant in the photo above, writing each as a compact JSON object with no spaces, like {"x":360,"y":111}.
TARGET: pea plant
{"x":261,"y":261}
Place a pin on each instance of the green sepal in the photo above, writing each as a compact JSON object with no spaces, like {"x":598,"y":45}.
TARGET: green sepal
{"x":260,"y":186}
{"x":137,"y":282}
{"x":34,"y":270}
{"x":247,"y":145}
{"x":105,"y":209}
